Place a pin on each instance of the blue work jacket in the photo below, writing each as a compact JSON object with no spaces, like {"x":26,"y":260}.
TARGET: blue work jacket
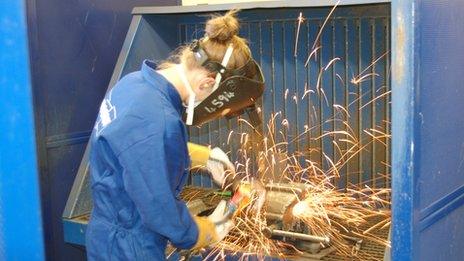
{"x":138,"y":165}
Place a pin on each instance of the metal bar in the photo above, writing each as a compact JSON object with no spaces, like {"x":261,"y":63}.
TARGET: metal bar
{"x":321,"y":97}
{"x":358,"y":128}
{"x":284,"y":82}
{"x":373,"y":107}
{"x":297,"y":83}
{"x":308,"y":86}
{"x":347,"y":98}
{"x":334,"y":93}
{"x":269,"y":232}
{"x":273,"y":69}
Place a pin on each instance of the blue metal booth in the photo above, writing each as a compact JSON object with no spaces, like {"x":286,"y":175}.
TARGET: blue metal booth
{"x":412,"y":50}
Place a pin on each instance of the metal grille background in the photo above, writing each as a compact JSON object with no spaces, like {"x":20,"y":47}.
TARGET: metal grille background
{"x":358,"y":36}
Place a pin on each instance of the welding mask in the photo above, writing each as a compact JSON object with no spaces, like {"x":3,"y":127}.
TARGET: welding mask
{"x":235,"y":90}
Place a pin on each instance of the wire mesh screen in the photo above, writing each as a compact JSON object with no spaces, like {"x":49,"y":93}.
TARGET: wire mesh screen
{"x":327,"y":87}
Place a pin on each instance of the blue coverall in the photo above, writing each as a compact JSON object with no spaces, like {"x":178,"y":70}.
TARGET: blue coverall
{"x":138,"y":165}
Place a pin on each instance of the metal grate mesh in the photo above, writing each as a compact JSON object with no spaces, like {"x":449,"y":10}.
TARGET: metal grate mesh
{"x":370,"y":250}
{"x":358,"y":39}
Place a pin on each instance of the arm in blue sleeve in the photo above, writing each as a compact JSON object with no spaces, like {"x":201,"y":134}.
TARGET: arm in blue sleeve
{"x":150,"y":186}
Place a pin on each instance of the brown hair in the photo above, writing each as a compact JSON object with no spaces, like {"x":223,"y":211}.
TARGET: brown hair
{"x":221,"y":31}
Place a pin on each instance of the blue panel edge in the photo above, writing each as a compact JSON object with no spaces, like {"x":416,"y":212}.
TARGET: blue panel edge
{"x":404,"y":132}
{"x":21,"y":231}
{"x":441,"y":208}
{"x":74,"y":231}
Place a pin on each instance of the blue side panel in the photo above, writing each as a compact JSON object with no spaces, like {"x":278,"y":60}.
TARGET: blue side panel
{"x":21,"y":234}
{"x":428,"y":178}
{"x":440,"y":123}
{"x":441,"y":99}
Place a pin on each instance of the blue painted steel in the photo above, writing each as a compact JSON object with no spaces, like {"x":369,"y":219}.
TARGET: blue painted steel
{"x":427,"y":159}
{"x":74,"y":47}
{"x":441,"y":209}
{"x":439,"y":123}
{"x":75,"y":231}
{"x":403,"y":120}
{"x":441,"y":95}
{"x":21,"y":234}
{"x":443,"y":240}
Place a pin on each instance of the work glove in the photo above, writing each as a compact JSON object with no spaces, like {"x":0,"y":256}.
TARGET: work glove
{"x":219,"y":166}
{"x":214,"y":228}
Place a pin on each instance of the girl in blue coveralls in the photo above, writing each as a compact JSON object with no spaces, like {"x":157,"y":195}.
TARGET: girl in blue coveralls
{"x":139,"y":158}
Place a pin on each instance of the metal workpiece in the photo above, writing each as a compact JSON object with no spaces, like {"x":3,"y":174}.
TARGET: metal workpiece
{"x":196,"y":207}
{"x":269,"y":232}
{"x":280,"y":199}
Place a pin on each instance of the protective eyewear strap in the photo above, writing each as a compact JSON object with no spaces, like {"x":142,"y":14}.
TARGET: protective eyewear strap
{"x":191,"y":98}
{"x":225,"y":61}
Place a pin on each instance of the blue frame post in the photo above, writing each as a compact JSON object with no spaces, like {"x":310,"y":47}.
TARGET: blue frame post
{"x":20,"y":213}
{"x":404,"y":131}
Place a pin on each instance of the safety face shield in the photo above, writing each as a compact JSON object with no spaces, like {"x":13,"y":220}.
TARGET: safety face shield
{"x":235,"y":92}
